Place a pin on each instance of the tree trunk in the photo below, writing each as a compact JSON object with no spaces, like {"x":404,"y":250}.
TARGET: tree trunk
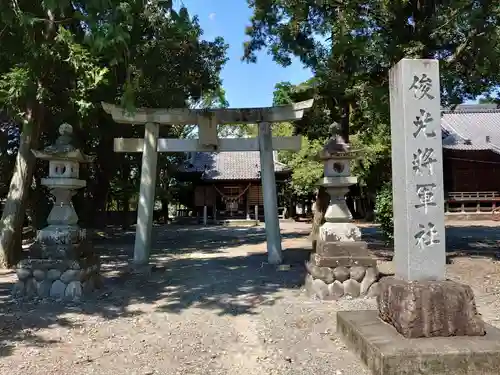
{"x":13,"y":214}
{"x":322,"y":202}
{"x":164,"y":210}
{"x":292,"y":209}
{"x":125,"y":211}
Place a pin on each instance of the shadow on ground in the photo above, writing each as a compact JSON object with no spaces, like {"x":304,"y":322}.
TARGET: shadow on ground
{"x":194,"y":271}
{"x":233,"y":286}
{"x":477,"y":240}
{"x":183,"y":240}
{"x":228,"y":285}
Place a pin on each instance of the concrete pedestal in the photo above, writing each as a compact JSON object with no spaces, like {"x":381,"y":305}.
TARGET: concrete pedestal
{"x":385,"y":352}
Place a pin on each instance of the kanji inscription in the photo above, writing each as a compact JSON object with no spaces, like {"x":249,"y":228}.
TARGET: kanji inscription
{"x":422,"y":122}
{"x":421,"y":86}
{"x":425,"y":193}
{"x":417,"y":170}
{"x":427,"y":235}
{"x":423,"y":160}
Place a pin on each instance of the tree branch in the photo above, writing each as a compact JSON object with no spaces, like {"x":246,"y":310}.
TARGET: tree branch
{"x":3,"y":30}
{"x":461,"y":48}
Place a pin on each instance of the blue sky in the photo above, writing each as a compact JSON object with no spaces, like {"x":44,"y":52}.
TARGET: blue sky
{"x":246,"y":85}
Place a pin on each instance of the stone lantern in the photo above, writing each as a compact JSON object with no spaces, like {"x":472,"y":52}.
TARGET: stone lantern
{"x":62,"y":263}
{"x":341,"y":264}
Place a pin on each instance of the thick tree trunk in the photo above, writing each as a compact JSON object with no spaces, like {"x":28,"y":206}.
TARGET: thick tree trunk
{"x":11,"y":225}
{"x":292,"y":209}
{"x":322,"y":202}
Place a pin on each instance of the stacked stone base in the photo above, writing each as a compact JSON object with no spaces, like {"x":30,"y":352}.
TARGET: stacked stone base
{"x":57,"y":279}
{"x":342,"y":264}
{"x":429,"y":308}
{"x":62,"y":265}
{"x":328,"y":283}
{"x":335,"y":276}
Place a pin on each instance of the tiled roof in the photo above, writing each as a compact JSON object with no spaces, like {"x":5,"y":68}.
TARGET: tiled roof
{"x":228,"y":165}
{"x":472,"y":127}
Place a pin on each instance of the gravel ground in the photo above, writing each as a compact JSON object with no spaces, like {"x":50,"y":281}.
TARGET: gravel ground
{"x":211,"y":306}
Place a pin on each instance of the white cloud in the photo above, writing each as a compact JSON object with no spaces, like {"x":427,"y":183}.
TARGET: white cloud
{"x":211,"y":16}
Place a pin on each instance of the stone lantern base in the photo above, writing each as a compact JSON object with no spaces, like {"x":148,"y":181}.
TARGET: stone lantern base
{"x":62,"y":265}
{"x":342,"y":265}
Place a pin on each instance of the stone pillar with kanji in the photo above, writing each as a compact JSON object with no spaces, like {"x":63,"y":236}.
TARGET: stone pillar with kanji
{"x":410,"y":300}
{"x":425,"y":323}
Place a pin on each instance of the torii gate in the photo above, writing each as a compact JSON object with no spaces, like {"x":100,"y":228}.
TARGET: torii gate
{"x":207,"y":120}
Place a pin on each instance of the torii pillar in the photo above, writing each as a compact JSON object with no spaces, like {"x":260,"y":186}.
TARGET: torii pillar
{"x":207,"y":120}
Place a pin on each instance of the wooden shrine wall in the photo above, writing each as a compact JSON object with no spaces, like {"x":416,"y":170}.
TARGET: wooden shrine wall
{"x":204,"y":196}
{"x":468,"y":171}
{"x":255,"y":196}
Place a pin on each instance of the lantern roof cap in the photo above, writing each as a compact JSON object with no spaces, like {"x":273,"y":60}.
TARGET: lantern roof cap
{"x":63,"y":149}
{"x":337,"y":147}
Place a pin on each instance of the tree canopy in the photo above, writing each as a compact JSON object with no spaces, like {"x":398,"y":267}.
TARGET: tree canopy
{"x":350,"y":47}
{"x":60,"y":59}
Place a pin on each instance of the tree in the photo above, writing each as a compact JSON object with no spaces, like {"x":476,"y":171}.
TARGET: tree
{"x":60,"y":59}
{"x":306,"y":170}
{"x":351,"y":45}
{"x":38,"y":49}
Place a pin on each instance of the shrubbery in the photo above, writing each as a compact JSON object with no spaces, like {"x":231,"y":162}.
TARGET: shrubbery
{"x":383,"y":210}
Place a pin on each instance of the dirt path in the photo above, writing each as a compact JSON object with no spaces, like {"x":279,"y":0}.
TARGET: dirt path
{"x":212,"y":306}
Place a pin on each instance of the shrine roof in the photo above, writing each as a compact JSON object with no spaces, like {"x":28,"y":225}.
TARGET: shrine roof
{"x":472,"y":127}
{"x":227,"y":165}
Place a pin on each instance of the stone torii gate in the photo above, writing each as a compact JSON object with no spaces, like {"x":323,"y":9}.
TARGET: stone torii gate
{"x":208,"y":141}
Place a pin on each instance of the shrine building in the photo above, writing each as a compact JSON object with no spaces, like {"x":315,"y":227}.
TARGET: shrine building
{"x":229,"y":184}
{"x":471,"y":155}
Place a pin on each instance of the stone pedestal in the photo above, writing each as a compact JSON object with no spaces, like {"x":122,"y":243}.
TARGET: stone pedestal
{"x":61,"y":279}
{"x":429,"y":308}
{"x":62,"y":263}
{"x":341,"y":269}
{"x":342,"y":264}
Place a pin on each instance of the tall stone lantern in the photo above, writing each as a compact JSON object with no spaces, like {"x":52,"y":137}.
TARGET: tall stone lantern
{"x":341,"y":264}
{"x":62,"y":263}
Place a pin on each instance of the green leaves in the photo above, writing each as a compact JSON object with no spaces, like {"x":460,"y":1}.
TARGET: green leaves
{"x":383,"y":211}
{"x":86,"y":66}
{"x":351,"y":45}
{"x":307,"y":171}
{"x":15,"y":84}
{"x":62,"y":58}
